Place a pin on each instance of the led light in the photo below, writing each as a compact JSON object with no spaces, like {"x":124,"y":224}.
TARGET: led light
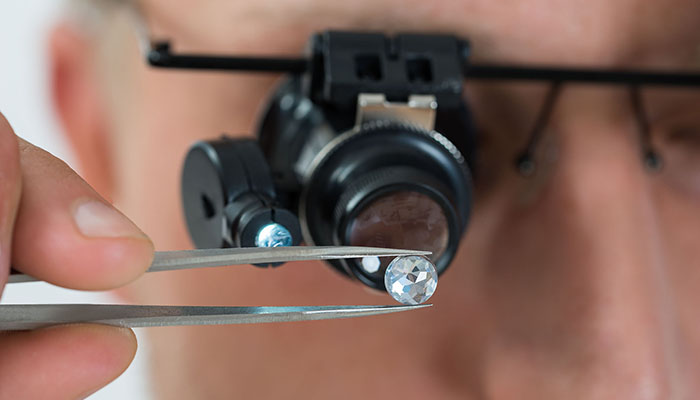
{"x":273,"y":235}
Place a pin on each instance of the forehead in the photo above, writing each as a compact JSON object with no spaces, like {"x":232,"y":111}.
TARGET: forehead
{"x":596,"y":32}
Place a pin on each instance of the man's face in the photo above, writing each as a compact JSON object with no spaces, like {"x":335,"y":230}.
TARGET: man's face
{"x":579,"y":281}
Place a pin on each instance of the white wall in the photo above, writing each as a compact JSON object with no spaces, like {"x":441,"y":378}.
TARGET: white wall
{"x":25,"y":103}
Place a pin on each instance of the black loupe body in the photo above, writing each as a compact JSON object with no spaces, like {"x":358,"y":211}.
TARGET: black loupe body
{"x":387,"y":184}
{"x":375,"y":175}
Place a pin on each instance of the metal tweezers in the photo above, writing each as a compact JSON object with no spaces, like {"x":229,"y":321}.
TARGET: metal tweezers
{"x":33,"y":316}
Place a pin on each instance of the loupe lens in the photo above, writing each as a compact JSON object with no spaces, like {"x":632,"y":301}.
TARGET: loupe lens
{"x":400,"y":220}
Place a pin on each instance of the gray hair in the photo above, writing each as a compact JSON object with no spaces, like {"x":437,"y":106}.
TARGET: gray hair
{"x":99,"y":18}
{"x":97,"y":15}
{"x":93,"y":14}
{"x":114,"y":26}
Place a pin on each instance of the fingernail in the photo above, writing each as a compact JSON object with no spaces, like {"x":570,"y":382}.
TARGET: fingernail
{"x":97,"y":219}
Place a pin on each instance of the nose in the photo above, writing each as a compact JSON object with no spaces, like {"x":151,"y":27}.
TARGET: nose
{"x":576,"y":283}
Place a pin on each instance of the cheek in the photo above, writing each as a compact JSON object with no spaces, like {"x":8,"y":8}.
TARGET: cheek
{"x":679,"y":226}
{"x":679,"y":222}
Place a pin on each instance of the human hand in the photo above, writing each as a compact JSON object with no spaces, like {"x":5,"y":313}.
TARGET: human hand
{"x":55,"y":227}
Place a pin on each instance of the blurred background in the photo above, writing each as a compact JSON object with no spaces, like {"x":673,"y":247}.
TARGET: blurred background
{"x":25,"y":102}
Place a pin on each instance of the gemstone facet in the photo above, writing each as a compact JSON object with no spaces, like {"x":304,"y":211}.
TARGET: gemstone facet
{"x":411,"y":279}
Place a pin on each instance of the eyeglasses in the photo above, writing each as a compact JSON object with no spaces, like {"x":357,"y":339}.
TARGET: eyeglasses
{"x":665,"y":104}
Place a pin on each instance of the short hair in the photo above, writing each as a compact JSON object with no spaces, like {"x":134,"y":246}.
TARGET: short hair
{"x":113,"y":26}
{"x":99,"y":16}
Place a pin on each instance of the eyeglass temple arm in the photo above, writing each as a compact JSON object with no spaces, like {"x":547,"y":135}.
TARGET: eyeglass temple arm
{"x":582,"y":75}
{"x":160,"y":55}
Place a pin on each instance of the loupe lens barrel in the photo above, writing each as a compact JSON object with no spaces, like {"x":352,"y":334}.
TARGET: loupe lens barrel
{"x":388,"y":184}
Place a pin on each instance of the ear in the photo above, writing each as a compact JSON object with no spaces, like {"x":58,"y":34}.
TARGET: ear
{"x":79,"y":104}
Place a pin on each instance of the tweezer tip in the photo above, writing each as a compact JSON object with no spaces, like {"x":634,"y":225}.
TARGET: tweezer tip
{"x":399,"y":307}
{"x":359,"y":310}
{"x":412,"y":306}
{"x":401,"y":252}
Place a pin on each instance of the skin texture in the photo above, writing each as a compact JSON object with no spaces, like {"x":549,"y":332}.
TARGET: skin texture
{"x":39,"y":195}
{"x":580,"y":282}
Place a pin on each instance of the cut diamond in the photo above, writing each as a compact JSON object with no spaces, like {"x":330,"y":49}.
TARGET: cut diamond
{"x":411,"y":279}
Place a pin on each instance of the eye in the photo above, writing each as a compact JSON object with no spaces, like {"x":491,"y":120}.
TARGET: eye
{"x":677,"y":139}
{"x":686,"y":136}
{"x":675,"y":128}
{"x":680,"y":128}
